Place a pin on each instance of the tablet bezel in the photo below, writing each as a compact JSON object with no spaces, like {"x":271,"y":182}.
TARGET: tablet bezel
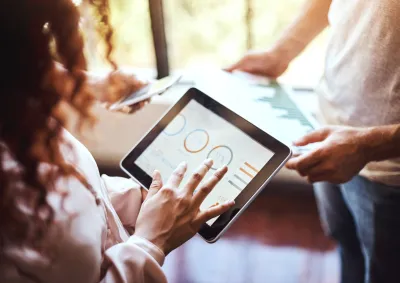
{"x":281,"y":154}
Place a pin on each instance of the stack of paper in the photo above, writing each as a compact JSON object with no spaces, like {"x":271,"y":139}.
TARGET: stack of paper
{"x":268,"y":107}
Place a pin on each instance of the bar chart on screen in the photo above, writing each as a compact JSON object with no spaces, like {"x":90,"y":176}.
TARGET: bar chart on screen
{"x":243,"y":176}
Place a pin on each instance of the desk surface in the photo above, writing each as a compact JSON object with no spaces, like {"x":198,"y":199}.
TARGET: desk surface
{"x":264,"y":106}
{"x":283,"y":113}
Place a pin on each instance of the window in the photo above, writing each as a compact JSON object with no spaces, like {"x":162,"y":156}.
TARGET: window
{"x":270,"y":20}
{"x":206,"y":32}
{"x":218,"y":33}
{"x":132,"y":35}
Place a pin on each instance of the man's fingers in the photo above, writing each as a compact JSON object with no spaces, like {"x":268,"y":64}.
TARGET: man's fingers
{"x":207,"y":187}
{"x":323,"y":168}
{"x":156,"y":184}
{"x":198,"y":176}
{"x":212,"y":212}
{"x":177,"y":176}
{"x":316,"y":136}
{"x":231,"y":68}
{"x":323,"y":177}
{"x":305,"y":162}
{"x":239,"y":65}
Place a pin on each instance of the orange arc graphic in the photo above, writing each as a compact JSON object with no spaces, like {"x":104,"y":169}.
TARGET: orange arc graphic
{"x":197,"y":150}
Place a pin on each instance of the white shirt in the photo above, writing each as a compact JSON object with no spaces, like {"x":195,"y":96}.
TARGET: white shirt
{"x":361,"y":85}
{"x":88,"y":242}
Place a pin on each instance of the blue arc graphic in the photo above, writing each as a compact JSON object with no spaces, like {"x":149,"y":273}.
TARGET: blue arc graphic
{"x":219,"y":147}
{"x":180,"y":130}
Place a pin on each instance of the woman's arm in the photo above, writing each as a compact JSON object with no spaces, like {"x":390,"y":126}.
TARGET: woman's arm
{"x":111,"y":87}
{"x":126,"y":198}
{"x":169,"y":217}
{"x":136,"y":260}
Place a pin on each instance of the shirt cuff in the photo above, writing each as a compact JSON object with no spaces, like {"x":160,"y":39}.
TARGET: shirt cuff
{"x":148,"y":247}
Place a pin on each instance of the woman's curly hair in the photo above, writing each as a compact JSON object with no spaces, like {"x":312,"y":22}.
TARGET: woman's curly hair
{"x":33,"y":33}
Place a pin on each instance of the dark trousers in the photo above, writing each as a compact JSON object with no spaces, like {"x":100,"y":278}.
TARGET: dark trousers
{"x":364,"y":218}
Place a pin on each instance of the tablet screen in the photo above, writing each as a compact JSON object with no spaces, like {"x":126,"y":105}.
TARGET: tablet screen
{"x":196,"y":134}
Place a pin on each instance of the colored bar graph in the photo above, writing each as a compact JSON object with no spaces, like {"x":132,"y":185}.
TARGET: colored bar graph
{"x":240,"y":179}
{"x":251,"y":167}
{"x":234,"y":185}
{"x":247,"y":173}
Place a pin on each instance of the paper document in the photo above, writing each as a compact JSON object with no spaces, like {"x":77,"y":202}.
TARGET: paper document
{"x":270,"y":108}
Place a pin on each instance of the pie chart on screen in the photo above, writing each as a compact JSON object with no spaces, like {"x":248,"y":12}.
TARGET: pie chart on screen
{"x":221,"y":155}
{"x":196,"y":141}
{"x":176,"y":126}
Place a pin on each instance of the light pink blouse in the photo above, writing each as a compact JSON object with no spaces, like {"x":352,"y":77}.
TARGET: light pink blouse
{"x":88,"y":242}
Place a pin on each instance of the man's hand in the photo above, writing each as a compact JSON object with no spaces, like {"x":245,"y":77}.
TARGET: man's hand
{"x":340,"y":155}
{"x":311,"y":20}
{"x":269,"y":64}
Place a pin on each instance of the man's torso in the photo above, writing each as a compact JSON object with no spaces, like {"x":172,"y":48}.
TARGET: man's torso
{"x":361,"y":85}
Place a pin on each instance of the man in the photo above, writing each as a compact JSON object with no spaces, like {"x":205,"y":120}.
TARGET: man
{"x":359,"y":150}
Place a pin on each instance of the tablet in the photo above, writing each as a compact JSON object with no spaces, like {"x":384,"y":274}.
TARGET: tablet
{"x":196,"y":128}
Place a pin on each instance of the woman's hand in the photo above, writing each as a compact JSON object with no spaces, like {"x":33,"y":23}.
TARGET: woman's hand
{"x":171,"y":215}
{"x":144,"y":194}
{"x":115,"y":86}
{"x":270,"y":64}
{"x":106,"y":88}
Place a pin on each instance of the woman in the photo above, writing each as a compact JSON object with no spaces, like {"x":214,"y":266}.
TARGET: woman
{"x":59,"y":220}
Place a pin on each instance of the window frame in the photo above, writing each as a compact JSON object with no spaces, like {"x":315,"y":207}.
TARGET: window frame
{"x":156,"y":10}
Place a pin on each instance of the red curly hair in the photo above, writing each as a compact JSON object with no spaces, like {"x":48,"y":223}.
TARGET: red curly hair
{"x":34,"y":32}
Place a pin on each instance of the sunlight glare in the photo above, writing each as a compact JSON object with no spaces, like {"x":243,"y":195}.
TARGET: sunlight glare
{"x":77,"y":2}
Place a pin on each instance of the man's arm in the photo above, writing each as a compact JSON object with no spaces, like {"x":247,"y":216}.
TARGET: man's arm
{"x":273,"y":62}
{"x":382,"y":142}
{"x":311,"y":21}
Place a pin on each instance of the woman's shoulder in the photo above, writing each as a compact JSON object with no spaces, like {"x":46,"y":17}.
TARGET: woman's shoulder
{"x":73,"y":245}
{"x":72,"y":248}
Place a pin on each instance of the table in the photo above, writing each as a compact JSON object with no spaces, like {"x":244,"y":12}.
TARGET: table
{"x":267,"y":106}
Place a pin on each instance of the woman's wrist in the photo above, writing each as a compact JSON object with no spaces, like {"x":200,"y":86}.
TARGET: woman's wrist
{"x":157,"y":241}
{"x":111,"y":87}
{"x":148,"y":247}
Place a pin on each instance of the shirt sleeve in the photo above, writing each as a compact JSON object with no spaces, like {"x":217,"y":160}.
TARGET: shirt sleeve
{"x":134,"y":261}
{"x":126,"y":198}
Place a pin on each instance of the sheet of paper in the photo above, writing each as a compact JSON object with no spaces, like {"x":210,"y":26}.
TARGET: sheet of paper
{"x":263,"y":106}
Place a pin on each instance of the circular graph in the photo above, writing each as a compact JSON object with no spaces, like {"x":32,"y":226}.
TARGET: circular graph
{"x":176,"y":126}
{"x":221,"y":155}
{"x":196,"y":141}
